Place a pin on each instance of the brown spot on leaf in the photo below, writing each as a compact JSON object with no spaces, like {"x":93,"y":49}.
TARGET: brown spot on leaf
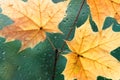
{"x":41,"y":28}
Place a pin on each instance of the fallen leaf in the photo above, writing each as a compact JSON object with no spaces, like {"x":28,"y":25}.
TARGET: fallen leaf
{"x":100,"y":9}
{"x":32,"y":19}
{"x":90,"y":54}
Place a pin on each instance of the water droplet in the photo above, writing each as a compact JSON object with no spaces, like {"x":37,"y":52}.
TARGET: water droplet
{"x":3,"y":53}
{"x":45,"y":54}
{"x":67,"y":19}
{"x":48,"y":79}
{"x":69,"y":5}
{"x":30,"y":73}
{"x":40,"y":78}
{"x":18,"y":68}
{"x":20,"y":75}
{"x":24,"y":56}
{"x":49,"y":55}
{"x":46,"y":73}
{"x":118,"y":25}
{"x":64,"y":21}
{"x":3,"y":58}
{"x":55,"y":37}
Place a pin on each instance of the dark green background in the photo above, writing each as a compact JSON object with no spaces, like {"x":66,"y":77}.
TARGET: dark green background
{"x":37,"y":63}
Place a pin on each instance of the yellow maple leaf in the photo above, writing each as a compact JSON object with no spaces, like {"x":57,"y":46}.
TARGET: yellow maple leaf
{"x":100,"y":9}
{"x":90,"y":54}
{"x":32,"y":19}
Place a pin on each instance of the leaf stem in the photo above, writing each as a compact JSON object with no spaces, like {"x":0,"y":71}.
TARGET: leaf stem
{"x":74,"y":23}
{"x":51,"y":43}
{"x":68,"y":35}
{"x":55,"y":58}
{"x":55,"y":63}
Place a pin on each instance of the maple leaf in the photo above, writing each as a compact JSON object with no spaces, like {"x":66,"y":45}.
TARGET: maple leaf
{"x":100,"y":9}
{"x":90,"y":54}
{"x":32,"y":19}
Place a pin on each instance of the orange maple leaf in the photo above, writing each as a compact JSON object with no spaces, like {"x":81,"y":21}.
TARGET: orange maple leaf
{"x":90,"y":56}
{"x":100,"y":9}
{"x":32,"y":19}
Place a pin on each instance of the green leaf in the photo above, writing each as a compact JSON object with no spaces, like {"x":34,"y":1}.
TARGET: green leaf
{"x":4,"y":21}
